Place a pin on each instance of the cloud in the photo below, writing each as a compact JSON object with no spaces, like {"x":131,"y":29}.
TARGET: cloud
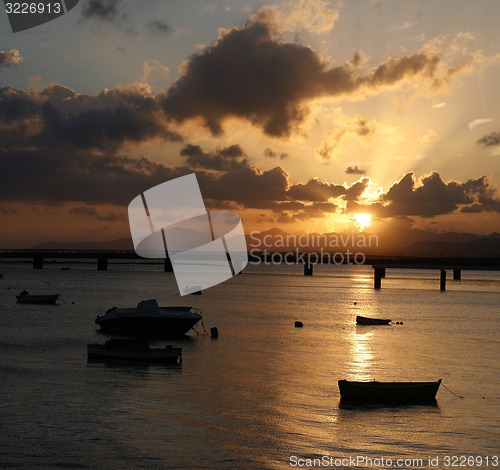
{"x":431,"y":196}
{"x":402,"y":27}
{"x":154,"y":73}
{"x":158,"y":27}
{"x":249,"y":187}
{"x":57,"y":117}
{"x":354,"y":170}
{"x":478,"y":122}
{"x":110,"y":217}
{"x":46,"y":177}
{"x":490,"y":140}
{"x":228,"y":179}
{"x":365,"y":130}
{"x":83,"y":210}
{"x":438,"y":105}
{"x":109,"y":11}
{"x":223,"y":159}
{"x":356,"y":190}
{"x":429,"y":135}
{"x":270,"y":153}
{"x":486,"y":197}
{"x":9,"y":58}
{"x":315,"y":190}
{"x":315,"y":16}
{"x":250,"y":74}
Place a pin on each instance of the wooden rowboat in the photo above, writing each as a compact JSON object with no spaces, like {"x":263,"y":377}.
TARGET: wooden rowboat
{"x":388,"y":392}
{"x":372,"y":321}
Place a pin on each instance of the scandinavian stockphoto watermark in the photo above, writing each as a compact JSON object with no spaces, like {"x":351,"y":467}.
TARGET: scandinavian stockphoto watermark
{"x":310,"y":248}
{"x":170,"y":221}
{"x":31,"y":13}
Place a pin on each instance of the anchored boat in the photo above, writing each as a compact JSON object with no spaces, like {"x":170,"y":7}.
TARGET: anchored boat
{"x":372,"y":321}
{"x":26,"y":298}
{"x":150,"y":319}
{"x":388,"y":392}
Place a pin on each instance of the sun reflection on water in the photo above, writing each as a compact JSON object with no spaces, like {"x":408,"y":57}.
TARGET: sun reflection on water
{"x":362,"y":360}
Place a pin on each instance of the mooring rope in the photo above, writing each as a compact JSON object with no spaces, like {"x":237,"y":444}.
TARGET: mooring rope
{"x":453,"y":393}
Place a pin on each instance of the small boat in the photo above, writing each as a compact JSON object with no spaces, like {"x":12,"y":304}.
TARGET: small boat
{"x":26,"y":298}
{"x":388,"y":392}
{"x":135,"y":350}
{"x":371,"y":321}
{"x":150,"y":319}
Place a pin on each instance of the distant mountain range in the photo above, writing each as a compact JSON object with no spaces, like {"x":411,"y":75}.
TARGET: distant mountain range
{"x":395,"y":242}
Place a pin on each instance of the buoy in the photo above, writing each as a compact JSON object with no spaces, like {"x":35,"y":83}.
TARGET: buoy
{"x":355,"y":303}
{"x":298,"y":324}
{"x":214,"y":332}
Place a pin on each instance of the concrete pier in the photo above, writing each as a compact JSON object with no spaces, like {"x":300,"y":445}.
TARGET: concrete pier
{"x":442,"y":282}
{"x":379,"y":273}
{"x":308,"y":268}
{"x":435,"y":263}
{"x":102,"y":263}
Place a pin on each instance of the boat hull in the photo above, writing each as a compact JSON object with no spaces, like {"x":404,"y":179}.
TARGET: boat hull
{"x":168,"y":354}
{"x":37,"y":299}
{"x":150,"y":320}
{"x":372,"y":321}
{"x":149,"y":326}
{"x":388,"y":392}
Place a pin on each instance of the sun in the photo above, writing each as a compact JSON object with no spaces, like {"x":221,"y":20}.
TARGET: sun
{"x":362,"y":220}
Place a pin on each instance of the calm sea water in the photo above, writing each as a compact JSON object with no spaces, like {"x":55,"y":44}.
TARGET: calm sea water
{"x":264,"y":394}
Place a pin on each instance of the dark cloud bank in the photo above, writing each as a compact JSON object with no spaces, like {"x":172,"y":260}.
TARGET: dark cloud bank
{"x":59,"y":146}
{"x":249,"y":73}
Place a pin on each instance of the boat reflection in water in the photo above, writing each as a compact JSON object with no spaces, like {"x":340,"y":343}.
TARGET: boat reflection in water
{"x":133,"y":350}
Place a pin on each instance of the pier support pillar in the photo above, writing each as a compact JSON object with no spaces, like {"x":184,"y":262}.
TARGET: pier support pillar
{"x":102,"y":263}
{"x":167,"y":267}
{"x":308,"y":268}
{"x":38,"y":262}
{"x":457,"y":275}
{"x":443,"y":280}
{"x":378,"y":274}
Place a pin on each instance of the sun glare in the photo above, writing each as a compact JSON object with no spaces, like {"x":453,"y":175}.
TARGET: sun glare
{"x":362,"y":220}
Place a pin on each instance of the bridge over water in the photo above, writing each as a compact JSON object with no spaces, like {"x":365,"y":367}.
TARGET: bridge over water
{"x":380,"y":264}
{"x":39,"y":256}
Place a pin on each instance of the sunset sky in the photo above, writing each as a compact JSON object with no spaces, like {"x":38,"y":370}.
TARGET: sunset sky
{"x":299,"y":115}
